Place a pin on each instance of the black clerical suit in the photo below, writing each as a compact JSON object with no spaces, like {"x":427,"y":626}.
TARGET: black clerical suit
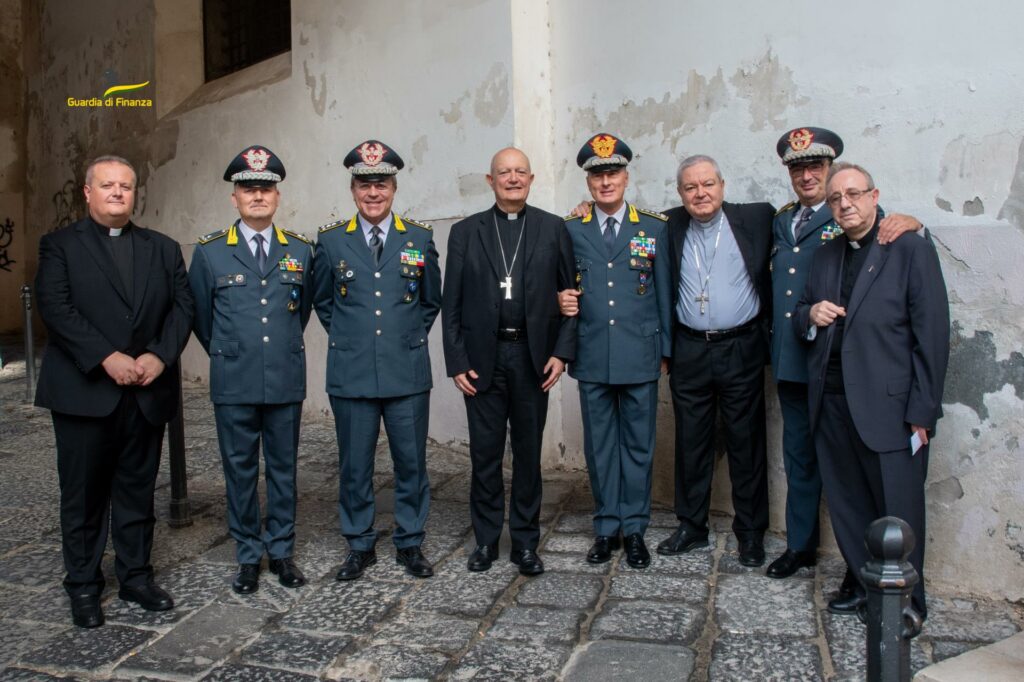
{"x":873,"y":373}
{"x":109,"y":436}
{"x":723,"y":372}
{"x":507,"y":342}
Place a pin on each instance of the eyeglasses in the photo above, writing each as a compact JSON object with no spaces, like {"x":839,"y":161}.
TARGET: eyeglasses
{"x":851,"y":195}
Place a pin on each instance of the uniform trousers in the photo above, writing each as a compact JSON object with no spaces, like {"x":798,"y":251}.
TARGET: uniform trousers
{"x":720,"y":376}
{"x":513,"y":403}
{"x":803,"y":481}
{"x":107,"y":468}
{"x":618,"y":443}
{"x":863,"y":485}
{"x":240,"y":429}
{"x":357,"y":424}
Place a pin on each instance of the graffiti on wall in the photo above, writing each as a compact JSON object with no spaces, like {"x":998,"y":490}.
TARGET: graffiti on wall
{"x":6,"y":237}
{"x":63,"y":205}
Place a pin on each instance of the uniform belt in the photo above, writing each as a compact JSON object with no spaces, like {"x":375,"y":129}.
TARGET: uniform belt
{"x":511,"y":334}
{"x":717,"y":334}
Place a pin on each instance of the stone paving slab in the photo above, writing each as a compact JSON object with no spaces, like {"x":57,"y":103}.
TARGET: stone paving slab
{"x":561,"y":590}
{"x":556,"y":562}
{"x":649,"y":621}
{"x":297,"y":652}
{"x":350,"y":607}
{"x":961,"y":620}
{"x":250,"y":673}
{"x":18,"y":637}
{"x":91,"y":652}
{"x":756,"y":657}
{"x":392,"y":662}
{"x":571,"y":544}
{"x":697,"y":563}
{"x":672,"y":588}
{"x":537,"y":625}
{"x":493,"y":660}
{"x":25,"y":675}
{"x":38,"y":565}
{"x":447,"y":634}
{"x":192,"y":586}
{"x":209,"y":638}
{"x":611,"y":661}
{"x":760,"y":605}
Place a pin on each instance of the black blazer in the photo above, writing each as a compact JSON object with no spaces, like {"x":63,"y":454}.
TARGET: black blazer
{"x":896,"y":338}
{"x":471,"y":294}
{"x":752,"y":227}
{"x":85,"y":309}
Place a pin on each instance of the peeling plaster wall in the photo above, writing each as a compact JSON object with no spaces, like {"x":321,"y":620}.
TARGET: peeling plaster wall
{"x":937,"y":122}
{"x":935,"y":118}
{"x":14,"y":240}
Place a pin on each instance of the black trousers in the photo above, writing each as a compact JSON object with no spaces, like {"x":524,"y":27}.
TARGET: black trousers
{"x":863,"y":485}
{"x":514,"y":398}
{"x":723,"y":376}
{"x":107,"y":468}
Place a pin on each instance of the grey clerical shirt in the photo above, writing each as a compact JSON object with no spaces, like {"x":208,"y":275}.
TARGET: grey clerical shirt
{"x":731,"y":298}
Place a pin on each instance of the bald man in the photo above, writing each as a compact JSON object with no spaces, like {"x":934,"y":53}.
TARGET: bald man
{"x":505,"y":346}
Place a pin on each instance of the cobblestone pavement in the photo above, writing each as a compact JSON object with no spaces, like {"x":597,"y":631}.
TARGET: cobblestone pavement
{"x":699,"y":616}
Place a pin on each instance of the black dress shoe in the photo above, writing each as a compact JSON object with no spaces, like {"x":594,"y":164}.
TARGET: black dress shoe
{"x":601,"y":551}
{"x":247,"y":580}
{"x":355,"y":564}
{"x":790,"y":562}
{"x":482,"y":558}
{"x":527,"y":561}
{"x":751,"y":552}
{"x":149,"y":596}
{"x":847,"y":605}
{"x":637,"y":555}
{"x":850,"y":584}
{"x":682,"y":541}
{"x":415,"y":563}
{"x":288,"y":574}
{"x":86,"y":611}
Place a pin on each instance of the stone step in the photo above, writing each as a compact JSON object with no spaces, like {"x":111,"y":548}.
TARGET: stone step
{"x":999,"y":662}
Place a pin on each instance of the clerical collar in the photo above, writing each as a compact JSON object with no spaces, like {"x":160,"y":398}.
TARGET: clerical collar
{"x":712,"y":222}
{"x":865,"y":240}
{"x":508,"y":216}
{"x":112,"y":231}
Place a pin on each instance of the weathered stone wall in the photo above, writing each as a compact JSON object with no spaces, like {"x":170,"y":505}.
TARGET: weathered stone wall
{"x":927,"y":99}
{"x":14,"y":241}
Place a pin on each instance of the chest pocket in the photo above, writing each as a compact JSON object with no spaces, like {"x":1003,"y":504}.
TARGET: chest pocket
{"x":292,"y":278}
{"x":238,"y":280}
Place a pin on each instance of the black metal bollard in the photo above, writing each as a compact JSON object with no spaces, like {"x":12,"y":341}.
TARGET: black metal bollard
{"x":181,"y":510}
{"x":889,"y":579}
{"x":30,"y":349}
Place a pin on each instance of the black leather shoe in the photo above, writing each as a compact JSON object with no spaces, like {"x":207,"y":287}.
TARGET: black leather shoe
{"x":247,"y":580}
{"x":848,"y":605}
{"x":527,"y":561}
{"x":149,"y":596}
{"x":637,"y":555}
{"x":482,"y":558}
{"x":790,"y":562}
{"x":751,"y":552}
{"x":355,"y":564}
{"x":288,"y":574}
{"x":415,"y":563}
{"x":601,"y":551}
{"x":849,"y":586}
{"x":682,"y":541}
{"x":86,"y":611}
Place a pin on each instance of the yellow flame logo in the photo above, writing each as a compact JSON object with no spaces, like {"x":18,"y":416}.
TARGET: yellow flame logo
{"x":123,"y":88}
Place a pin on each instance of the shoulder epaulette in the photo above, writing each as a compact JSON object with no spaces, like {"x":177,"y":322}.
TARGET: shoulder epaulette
{"x":205,"y":239}
{"x":330,"y":226}
{"x":417,"y":223}
{"x":301,"y":238}
{"x":570,"y":217}
{"x":654,"y":214}
{"x":786,"y":207}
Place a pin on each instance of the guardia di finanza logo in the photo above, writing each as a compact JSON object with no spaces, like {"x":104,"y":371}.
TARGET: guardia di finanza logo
{"x":116,"y":95}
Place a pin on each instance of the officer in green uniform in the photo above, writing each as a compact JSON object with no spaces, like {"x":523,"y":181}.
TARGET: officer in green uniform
{"x":624,"y":302}
{"x":378,"y":291}
{"x":253,"y":300}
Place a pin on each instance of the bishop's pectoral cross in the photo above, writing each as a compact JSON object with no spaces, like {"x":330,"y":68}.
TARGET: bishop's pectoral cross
{"x":507,"y":286}
{"x":702,"y":299}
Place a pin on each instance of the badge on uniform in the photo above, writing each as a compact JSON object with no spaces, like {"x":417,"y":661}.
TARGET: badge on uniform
{"x":345,"y":274}
{"x":830,"y":232}
{"x":642,"y":245}
{"x":289,"y":264}
{"x":293,"y":300}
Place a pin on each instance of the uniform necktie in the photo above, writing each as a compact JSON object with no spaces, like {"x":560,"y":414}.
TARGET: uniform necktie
{"x":609,"y":234}
{"x":261,"y":255}
{"x":805,"y":216}
{"x":376,"y":244}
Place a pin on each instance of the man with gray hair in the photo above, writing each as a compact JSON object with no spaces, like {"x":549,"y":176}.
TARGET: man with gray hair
{"x":722,"y":306}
